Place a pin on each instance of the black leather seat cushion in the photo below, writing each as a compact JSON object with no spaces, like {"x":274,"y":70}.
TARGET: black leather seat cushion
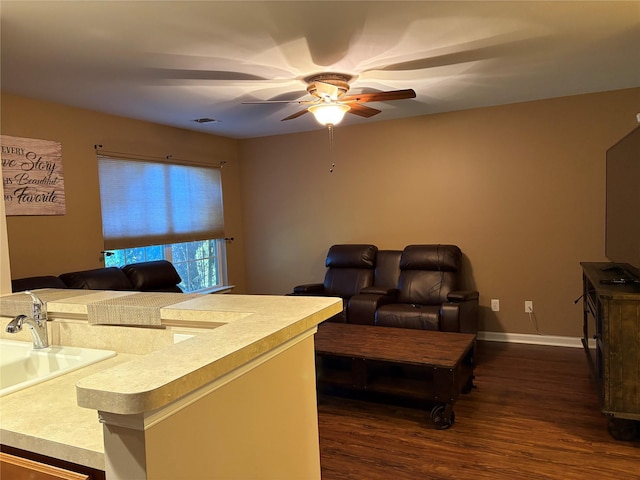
{"x":423,"y":317}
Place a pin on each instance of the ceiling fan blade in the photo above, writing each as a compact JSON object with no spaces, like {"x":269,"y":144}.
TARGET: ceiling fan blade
{"x":380,"y":96}
{"x":295,"y":115}
{"x":192,"y":74}
{"x":363,"y":110}
{"x":446,"y":59}
{"x":299,"y":102}
{"x":484,"y":49}
{"x":168,"y":66}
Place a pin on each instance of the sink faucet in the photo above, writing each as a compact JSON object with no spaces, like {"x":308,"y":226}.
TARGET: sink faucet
{"x":37,"y":323}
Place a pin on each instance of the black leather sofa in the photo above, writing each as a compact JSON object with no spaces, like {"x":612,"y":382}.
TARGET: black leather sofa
{"x":155,"y":276}
{"x":417,"y":287}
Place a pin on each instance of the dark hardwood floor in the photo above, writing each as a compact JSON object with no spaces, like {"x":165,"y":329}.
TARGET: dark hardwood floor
{"x":533,"y":415}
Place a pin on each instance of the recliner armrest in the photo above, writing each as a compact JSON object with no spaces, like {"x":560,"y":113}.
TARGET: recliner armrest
{"x":462,"y":295}
{"x":361,"y":308}
{"x":460,"y":313}
{"x":308,"y":288}
{"x":380,"y":290}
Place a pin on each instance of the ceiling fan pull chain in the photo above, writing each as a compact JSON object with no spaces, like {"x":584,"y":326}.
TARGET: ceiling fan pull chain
{"x":330,"y":128}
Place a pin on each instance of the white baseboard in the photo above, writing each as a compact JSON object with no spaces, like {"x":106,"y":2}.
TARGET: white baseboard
{"x":550,"y":340}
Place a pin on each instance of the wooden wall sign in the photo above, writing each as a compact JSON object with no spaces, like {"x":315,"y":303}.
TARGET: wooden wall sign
{"x":32,"y":176}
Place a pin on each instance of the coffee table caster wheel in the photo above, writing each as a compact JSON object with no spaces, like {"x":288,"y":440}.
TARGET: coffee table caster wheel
{"x":439,"y":417}
{"x":623,"y":429}
{"x":468,"y":386}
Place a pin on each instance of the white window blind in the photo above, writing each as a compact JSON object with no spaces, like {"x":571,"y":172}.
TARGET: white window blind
{"x":153,"y":203}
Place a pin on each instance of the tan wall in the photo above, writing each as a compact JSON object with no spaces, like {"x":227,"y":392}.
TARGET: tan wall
{"x":5,"y":270}
{"x":519,"y":188}
{"x":50,"y":245}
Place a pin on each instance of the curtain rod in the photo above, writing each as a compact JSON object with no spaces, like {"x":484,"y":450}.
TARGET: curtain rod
{"x":137,"y":156}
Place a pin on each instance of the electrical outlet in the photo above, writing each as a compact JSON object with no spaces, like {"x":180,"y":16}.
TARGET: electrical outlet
{"x":495,"y":305}
{"x":528,"y":306}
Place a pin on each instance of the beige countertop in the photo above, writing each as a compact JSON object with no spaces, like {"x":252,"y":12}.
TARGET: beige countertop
{"x":251,"y":326}
{"x":46,"y":419}
{"x":58,"y":417}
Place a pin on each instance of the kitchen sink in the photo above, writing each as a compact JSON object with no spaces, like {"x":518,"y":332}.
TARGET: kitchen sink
{"x":22,"y":366}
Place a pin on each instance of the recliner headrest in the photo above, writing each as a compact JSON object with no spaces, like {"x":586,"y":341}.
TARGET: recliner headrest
{"x":32,"y":283}
{"x":110,"y":278}
{"x":352,"y":256}
{"x":158,"y":275}
{"x":443,"y":258}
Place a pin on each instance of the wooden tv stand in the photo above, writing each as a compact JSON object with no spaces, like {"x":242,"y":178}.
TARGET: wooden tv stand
{"x":615,"y":309}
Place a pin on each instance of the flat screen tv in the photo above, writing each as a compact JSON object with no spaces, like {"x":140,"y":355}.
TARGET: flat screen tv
{"x":622,"y":238}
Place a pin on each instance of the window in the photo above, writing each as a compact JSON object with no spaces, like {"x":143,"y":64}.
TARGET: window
{"x":200,"y":264}
{"x":154,"y":210}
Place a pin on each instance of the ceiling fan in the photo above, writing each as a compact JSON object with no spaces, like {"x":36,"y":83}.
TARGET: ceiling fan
{"x":331,"y":101}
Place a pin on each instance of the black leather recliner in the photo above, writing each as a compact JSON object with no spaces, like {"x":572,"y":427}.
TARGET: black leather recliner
{"x":429,"y":294}
{"x":350,"y":268}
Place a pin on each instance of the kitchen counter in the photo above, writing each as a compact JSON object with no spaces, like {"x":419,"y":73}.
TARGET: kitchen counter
{"x":251,"y":326}
{"x":46,"y":419}
{"x":58,"y":418}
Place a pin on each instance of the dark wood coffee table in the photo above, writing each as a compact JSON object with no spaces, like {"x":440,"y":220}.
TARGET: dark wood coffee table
{"x":440,"y":364}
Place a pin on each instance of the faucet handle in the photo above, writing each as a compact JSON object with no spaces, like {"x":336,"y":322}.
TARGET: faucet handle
{"x":38,"y":308}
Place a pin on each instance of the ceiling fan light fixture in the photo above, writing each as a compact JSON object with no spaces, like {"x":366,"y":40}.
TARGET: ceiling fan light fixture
{"x":329,"y":113}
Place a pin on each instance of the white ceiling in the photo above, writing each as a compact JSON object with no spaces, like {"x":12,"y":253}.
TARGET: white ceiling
{"x":171,"y":62}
